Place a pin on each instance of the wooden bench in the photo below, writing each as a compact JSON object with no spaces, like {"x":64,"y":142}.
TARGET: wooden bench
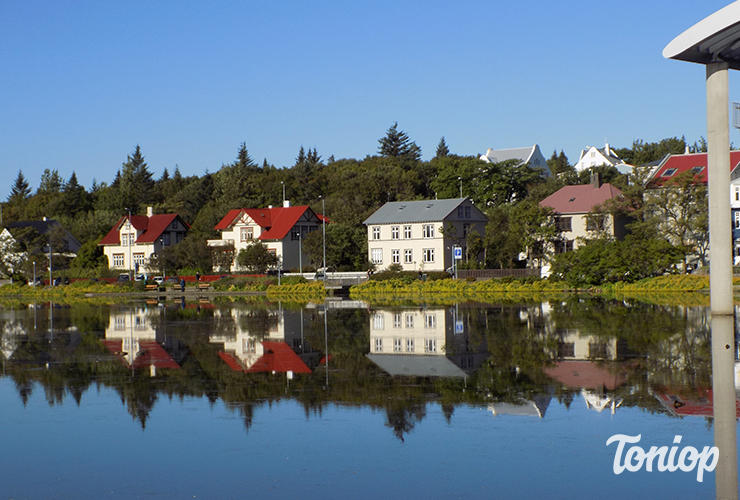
{"x":152,"y":288}
{"x":202,"y":287}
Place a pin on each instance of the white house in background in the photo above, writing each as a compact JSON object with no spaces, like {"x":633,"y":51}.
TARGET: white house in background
{"x":410,"y":233}
{"x":13,"y":241}
{"x":594,"y":157}
{"x":134,"y":240}
{"x":530,"y":155}
{"x":281,"y":229}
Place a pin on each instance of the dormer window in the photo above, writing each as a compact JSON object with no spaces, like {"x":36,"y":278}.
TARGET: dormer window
{"x":697,"y":170}
{"x":669,"y":172}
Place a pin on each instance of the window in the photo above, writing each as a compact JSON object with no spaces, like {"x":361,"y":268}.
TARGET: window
{"x":737,"y":194}
{"x":249,"y":346}
{"x":139,"y":258}
{"x":459,"y":212}
{"x":408,"y":256}
{"x":430,"y":321}
{"x":409,"y":345}
{"x":593,"y":154}
{"x":376,"y":232}
{"x":395,"y":233}
{"x":378,"y":321}
{"x":295,"y":233}
{"x":120,"y":323}
{"x":566,"y":350}
{"x":466,"y":229}
{"x":467,"y":212}
{"x":396,"y":256}
{"x":407,"y":232}
{"x":397,"y":321}
{"x":696,"y":170}
{"x":376,"y":255}
{"x":247,"y":233}
{"x":428,"y":254}
{"x":409,"y":321}
{"x":430,"y":345}
{"x":597,"y":350}
{"x":378,"y":345}
{"x":174,"y":224}
{"x":166,"y":238}
{"x":118,"y":260}
{"x":563,"y":224}
{"x":595,"y":223}
{"x":669,"y":172}
{"x":396,"y":345}
{"x":562,"y":246}
{"x":427,"y":231}
{"x":737,"y":222}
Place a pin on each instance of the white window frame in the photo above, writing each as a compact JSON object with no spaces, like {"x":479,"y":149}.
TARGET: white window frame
{"x":407,"y":232}
{"x":376,"y":255}
{"x":395,"y":256}
{"x":395,"y":233}
{"x":376,"y":232}
{"x":427,"y":231}
{"x":408,"y":256}
{"x":428,"y":255}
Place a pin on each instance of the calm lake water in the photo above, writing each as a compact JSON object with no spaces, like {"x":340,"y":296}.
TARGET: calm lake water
{"x":244,"y":399}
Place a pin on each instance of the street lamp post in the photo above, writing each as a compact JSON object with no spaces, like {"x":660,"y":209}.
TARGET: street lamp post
{"x":128,"y":242}
{"x":283,"y":184}
{"x":323,"y":227}
{"x":300,"y":251}
{"x":161,"y":253}
{"x":460,"y":179}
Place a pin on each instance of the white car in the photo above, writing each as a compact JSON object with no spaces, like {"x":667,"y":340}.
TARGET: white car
{"x":158,"y":280}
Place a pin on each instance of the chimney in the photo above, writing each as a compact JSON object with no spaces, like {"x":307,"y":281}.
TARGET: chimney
{"x":595,"y":180}
{"x":607,"y":151}
{"x":149,"y":211}
{"x":286,"y":203}
{"x":687,"y":150}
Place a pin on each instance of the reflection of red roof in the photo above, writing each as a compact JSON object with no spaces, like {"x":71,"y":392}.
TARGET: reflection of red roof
{"x":579,"y":199}
{"x":276,"y":221}
{"x":278,"y":357}
{"x":231,"y":361}
{"x":703,"y":406}
{"x":152,"y":228}
{"x":150,"y":353}
{"x":585,"y":375}
{"x":683,"y":163}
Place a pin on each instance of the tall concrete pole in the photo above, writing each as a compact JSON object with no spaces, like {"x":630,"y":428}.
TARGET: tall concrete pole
{"x":718,"y":166}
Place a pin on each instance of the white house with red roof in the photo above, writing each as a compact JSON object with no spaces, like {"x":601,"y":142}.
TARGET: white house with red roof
{"x":572,"y":204}
{"x":281,"y":229}
{"x":134,"y":240}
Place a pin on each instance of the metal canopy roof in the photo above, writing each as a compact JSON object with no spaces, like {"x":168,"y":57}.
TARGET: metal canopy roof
{"x":713,"y":39}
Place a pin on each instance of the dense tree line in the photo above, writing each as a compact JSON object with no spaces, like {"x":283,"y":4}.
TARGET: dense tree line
{"x":352,"y":189}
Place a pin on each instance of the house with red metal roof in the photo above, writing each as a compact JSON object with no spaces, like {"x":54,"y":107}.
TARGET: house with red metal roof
{"x":674,"y":165}
{"x":281,"y":229}
{"x":573,"y":206}
{"x":135,"y":239}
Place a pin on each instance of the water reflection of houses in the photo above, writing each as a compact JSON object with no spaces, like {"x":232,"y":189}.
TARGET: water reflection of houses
{"x":588,"y":363}
{"x":534,"y":407}
{"x":261,"y":340}
{"x":423,"y":342}
{"x":133,"y":336}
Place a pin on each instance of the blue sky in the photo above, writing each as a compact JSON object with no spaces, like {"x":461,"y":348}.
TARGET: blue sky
{"x":84,"y":82}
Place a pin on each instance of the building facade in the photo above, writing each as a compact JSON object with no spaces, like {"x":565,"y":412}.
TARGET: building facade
{"x":420,"y":235}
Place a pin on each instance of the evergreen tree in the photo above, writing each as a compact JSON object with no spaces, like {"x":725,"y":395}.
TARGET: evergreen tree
{"x":135,"y":182}
{"x":301,"y":158}
{"x":558,"y":163}
{"x":396,"y":144}
{"x":313,"y":157}
{"x":442,"y":149}
{"x":20,"y":190}
{"x":51,"y":182}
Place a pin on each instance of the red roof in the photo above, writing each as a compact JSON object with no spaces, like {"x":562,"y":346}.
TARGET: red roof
{"x":675,"y":165}
{"x":585,"y":375}
{"x":152,"y":228}
{"x":231,"y":361}
{"x":278,"y":357}
{"x":277,"y":221}
{"x":579,"y":199}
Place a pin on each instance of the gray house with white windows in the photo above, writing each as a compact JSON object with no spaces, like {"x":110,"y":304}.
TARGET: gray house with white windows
{"x":420,"y":235}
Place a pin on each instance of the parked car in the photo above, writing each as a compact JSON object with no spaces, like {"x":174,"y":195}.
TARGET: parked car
{"x":158,"y":280}
{"x":123,"y":277}
{"x":173,"y":280}
{"x":140,"y":277}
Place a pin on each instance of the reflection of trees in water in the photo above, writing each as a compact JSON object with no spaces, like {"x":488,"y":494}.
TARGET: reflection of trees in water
{"x":665,"y":345}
